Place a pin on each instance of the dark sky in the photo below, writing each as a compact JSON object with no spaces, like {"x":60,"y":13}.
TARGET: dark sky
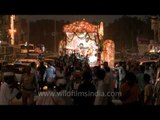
{"x":90,"y":18}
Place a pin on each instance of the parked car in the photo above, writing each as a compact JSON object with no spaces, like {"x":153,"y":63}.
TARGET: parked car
{"x":27,"y":61}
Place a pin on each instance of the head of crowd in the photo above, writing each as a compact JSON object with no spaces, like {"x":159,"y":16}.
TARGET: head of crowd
{"x":135,"y":84}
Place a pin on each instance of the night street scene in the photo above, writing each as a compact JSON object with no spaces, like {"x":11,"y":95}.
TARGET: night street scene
{"x":80,"y":60}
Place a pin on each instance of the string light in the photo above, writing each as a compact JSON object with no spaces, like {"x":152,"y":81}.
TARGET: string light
{"x":12,"y":30}
{"x":81,"y":27}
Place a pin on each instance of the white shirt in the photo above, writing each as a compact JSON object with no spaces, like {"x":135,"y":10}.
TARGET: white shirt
{"x":99,"y":98}
{"x":121,"y":73}
{"x":6,"y":95}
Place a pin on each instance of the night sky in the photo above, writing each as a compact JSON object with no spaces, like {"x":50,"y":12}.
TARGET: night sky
{"x":90,"y":18}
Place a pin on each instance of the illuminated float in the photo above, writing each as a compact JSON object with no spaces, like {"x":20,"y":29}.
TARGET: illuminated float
{"x":108,"y":53}
{"x":83,"y":39}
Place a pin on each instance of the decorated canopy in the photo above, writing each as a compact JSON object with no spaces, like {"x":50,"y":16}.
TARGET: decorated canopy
{"x":80,"y":27}
{"x":83,"y":39}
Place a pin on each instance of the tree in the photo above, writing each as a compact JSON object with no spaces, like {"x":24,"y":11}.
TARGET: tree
{"x":125,"y":30}
{"x":3,"y":31}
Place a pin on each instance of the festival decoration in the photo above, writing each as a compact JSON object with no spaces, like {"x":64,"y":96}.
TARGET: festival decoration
{"x":81,"y":27}
{"x":101,"y":31}
{"x":12,"y":30}
{"x":82,"y":38}
{"x":108,"y":53}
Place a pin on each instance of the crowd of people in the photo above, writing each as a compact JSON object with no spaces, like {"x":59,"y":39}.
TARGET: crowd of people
{"x":138,"y":84}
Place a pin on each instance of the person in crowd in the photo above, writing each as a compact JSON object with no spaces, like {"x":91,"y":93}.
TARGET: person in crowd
{"x":86,"y":91}
{"x":59,"y":73}
{"x":68,"y":71}
{"x":29,"y":85}
{"x":99,"y":100}
{"x":148,"y":90}
{"x":140,"y":78}
{"x":86,"y":68}
{"x":130,"y":90}
{"x":41,"y":69}
{"x":74,"y":80}
{"x":6,"y":69}
{"x":74,"y":83}
{"x":36,"y":73}
{"x":50,"y":74}
{"x":105,"y":64}
{"x":157,"y":92}
{"x":121,"y":73}
{"x":108,"y":83}
{"x":7,"y":91}
{"x":157,"y":86}
{"x":158,"y":72}
{"x":150,"y":72}
{"x":95,"y":71}
{"x":64,"y":98}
